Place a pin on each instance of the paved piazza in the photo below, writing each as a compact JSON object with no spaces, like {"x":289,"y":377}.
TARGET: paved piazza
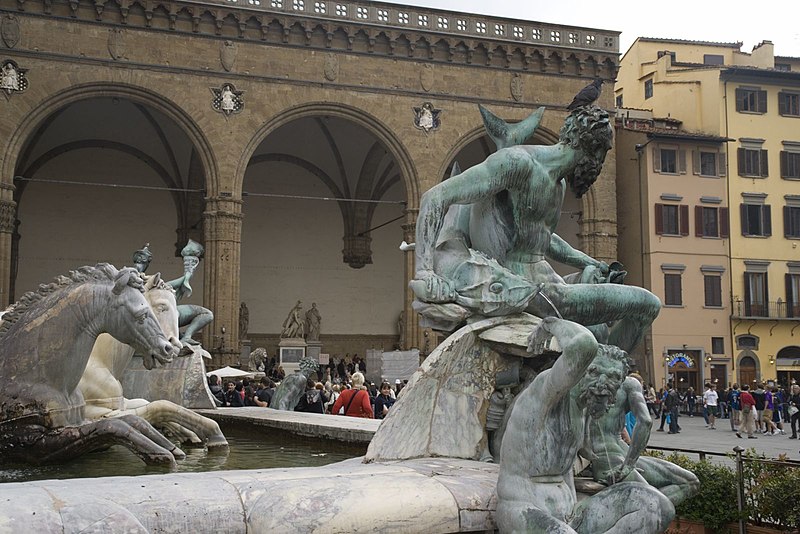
{"x":695,"y":436}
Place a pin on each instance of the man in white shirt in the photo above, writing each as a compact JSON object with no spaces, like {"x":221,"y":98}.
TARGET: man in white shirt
{"x":710,"y":402}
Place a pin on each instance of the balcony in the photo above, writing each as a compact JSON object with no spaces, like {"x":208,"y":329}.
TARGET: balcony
{"x":766,"y":310}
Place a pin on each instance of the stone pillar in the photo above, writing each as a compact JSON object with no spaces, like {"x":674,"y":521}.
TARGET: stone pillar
{"x":223,"y":239}
{"x":599,"y":222}
{"x":8,"y":217}
{"x":413,"y":333}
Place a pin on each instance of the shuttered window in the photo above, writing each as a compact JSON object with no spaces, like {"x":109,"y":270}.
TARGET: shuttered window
{"x":756,"y":220}
{"x":672,"y":290}
{"x":755,"y":294}
{"x":790,"y":164}
{"x":752,"y":162}
{"x":712,"y":285}
{"x":669,"y":160}
{"x":792,"y":295}
{"x":791,"y":221}
{"x":672,"y":219}
{"x":789,"y":104}
{"x":751,"y":100}
{"x":711,"y":222}
{"x":708,"y":163}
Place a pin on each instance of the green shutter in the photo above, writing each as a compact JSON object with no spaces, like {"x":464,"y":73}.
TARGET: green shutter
{"x":740,"y":161}
{"x":762,"y":101}
{"x":784,"y":164}
{"x":722,"y":164}
{"x":766,"y":213}
{"x":763,"y":160}
{"x":743,"y":217}
{"x":740,"y":94}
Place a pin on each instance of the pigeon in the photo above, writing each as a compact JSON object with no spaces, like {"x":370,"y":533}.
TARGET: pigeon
{"x":587,"y":95}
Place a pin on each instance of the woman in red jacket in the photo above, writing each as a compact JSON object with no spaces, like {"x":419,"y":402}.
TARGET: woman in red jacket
{"x":355,"y":401}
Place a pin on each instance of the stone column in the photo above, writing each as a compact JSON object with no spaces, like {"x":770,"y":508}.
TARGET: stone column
{"x":8,"y":216}
{"x":413,"y":332}
{"x":223,"y":239}
{"x":599,"y":222}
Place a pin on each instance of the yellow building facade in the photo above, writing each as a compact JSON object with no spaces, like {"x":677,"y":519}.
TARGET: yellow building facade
{"x":752,"y":101}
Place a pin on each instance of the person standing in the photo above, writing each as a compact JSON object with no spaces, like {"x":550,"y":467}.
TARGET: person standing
{"x":760,"y":397}
{"x":355,"y":401}
{"x":793,"y":409}
{"x":384,"y":401}
{"x":672,"y":405}
{"x":748,"y":404}
{"x":691,"y":401}
{"x":711,"y":404}
{"x":736,"y":408}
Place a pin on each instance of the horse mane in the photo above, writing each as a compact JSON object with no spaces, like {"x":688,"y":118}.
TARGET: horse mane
{"x":101,"y":271}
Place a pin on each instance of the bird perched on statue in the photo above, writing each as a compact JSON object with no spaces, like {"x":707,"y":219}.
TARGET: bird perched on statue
{"x":587,"y":95}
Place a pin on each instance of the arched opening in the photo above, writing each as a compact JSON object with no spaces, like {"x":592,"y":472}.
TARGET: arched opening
{"x":748,"y":369}
{"x":98,"y":177}
{"x":324,"y":205}
{"x":788,"y":365}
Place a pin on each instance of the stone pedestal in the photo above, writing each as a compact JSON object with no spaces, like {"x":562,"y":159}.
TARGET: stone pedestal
{"x":313,"y":350}
{"x":290,"y":351}
{"x":244,"y":354}
{"x":182,"y":381}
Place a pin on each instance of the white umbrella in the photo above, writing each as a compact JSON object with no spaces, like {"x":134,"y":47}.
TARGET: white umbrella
{"x":229,"y":372}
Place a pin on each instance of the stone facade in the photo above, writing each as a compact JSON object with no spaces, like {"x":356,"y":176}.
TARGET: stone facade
{"x":286,"y":63}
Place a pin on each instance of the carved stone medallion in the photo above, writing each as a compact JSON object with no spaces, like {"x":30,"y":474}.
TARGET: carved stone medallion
{"x":9,"y":30}
{"x":227,"y":54}
{"x":426,"y":77}
{"x":331,"y":68}
{"x":227,"y":100}
{"x":517,"y":86}
{"x":427,"y":118}
{"x":12,"y":78}
{"x":116,"y":43}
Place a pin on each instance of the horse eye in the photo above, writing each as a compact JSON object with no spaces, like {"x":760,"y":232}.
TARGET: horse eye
{"x":497,"y":287}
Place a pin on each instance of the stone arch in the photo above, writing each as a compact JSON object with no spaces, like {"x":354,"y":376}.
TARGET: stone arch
{"x":360,"y":117}
{"x":86,"y":91}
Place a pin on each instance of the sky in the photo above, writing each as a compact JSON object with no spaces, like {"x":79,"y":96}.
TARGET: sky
{"x":699,"y":20}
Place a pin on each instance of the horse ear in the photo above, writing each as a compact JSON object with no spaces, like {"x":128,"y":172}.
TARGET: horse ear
{"x":121,"y":281}
{"x":152,"y":281}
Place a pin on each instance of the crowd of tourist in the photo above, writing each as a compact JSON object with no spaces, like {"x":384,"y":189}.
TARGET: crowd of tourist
{"x":339,"y":388}
{"x":766,"y":409}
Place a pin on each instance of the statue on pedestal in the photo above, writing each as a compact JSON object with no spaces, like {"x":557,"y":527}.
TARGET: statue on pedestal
{"x":293,"y":325}
{"x":313,"y":323}
{"x":483,"y":241}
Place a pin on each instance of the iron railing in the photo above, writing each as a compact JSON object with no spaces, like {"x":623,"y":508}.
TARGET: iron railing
{"x":760,"y":500}
{"x":766,"y":310}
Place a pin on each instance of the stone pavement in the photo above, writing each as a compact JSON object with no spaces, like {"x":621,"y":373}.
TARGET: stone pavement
{"x":695,"y":436}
